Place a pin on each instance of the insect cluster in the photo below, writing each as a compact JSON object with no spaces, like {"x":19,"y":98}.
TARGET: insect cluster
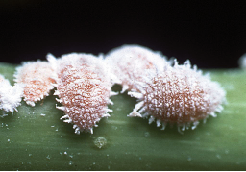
{"x":167,"y":92}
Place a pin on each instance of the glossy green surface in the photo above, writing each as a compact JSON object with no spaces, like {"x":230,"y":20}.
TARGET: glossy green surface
{"x":30,"y":141}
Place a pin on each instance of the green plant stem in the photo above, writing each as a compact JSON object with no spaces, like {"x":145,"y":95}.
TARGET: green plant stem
{"x":30,"y":141}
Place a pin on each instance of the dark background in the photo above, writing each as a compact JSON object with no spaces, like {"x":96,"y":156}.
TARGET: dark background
{"x":211,"y":34}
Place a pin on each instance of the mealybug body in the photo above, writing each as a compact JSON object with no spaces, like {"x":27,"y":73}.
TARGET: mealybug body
{"x":36,"y":76}
{"x":132,"y":63}
{"x":179,"y":94}
{"x":10,"y":97}
{"x":84,"y":89}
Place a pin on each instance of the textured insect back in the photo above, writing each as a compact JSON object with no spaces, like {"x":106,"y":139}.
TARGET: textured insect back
{"x":132,"y":63}
{"x":37,"y":79}
{"x":179,"y":95}
{"x":84,"y":89}
{"x":10,"y":96}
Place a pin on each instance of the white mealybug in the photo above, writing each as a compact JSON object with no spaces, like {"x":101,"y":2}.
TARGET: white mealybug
{"x":84,"y":89}
{"x":133,"y":63}
{"x":37,"y":78}
{"x":178,"y":95}
{"x":10,"y":96}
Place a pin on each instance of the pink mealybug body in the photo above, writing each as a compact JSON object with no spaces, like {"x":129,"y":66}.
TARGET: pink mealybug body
{"x":10,"y":96}
{"x":84,"y":89}
{"x":132,"y":63}
{"x":36,"y":76}
{"x":178,"y":95}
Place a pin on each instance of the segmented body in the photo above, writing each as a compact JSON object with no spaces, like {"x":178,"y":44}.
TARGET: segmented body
{"x":84,"y":89}
{"x":37,"y":78}
{"x":179,"y":95}
{"x":132,"y":64}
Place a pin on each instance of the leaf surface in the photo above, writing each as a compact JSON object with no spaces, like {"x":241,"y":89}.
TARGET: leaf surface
{"x":32,"y":141}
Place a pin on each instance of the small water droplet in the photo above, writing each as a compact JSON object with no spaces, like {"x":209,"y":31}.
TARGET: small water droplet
{"x":227,"y":151}
{"x":218,"y":156}
{"x":48,"y":157}
{"x":71,"y":156}
{"x":8,"y":140}
{"x":148,"y":165}
{"x":94,"y":163}
{"x":30,"y":155}
{"x":146,"y":134}
{"x":118,"y":109}
{"x":114,"y":128}
{"x":189,"y":159}
{"x":57,"y":129}
{"x":70,"y":163}
{"x":107,"y":155}
{"x":65,"y":153}
{"x":100,"y":142}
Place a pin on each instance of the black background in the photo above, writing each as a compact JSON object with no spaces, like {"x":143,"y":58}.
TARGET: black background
{"x":211,"y":34}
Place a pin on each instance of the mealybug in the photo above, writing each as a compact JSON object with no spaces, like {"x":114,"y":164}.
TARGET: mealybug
{"x":36,"y":76}
{"x":84,"y":89}
{"x":179,"y":94}
{"x":10,"y":97}
{"x":132,"y":63}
